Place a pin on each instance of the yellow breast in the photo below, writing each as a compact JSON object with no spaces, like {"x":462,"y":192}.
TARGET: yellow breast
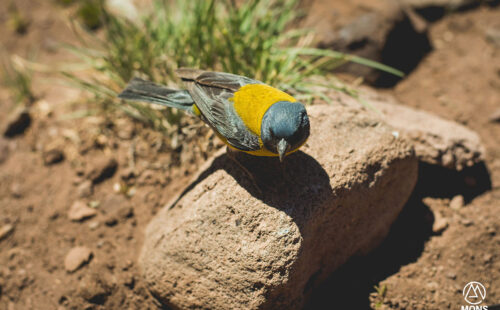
{"x":252,"y":101}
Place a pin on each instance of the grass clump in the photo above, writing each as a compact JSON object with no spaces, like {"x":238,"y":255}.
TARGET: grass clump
{"x":380,"y":292}
{"x":17,"y":78}
{"x":254,"y":38}
{"x":90,"y":13}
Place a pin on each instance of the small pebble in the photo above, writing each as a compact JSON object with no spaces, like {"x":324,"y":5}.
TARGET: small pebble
{"x":128,"y":173}
{"x":6,"y":230}
{"x":95,"y":288}
{"x":16,"y":190}
{"x":93,"y":225}
{"x":457,"y":202}
{"x":94,"y":204}
{"x":76,"y":258}
{"x":79,"y":211}
{"x":125,"y":129}
{"x":451,"y":275}
{"x":85,"y":189}
{"x":440,"y":224}
{"x":495,"y":116}
{"x":52,"y":156}
{"x":466,"y":222}
{"x":101,"y":140}
{"x":131,"y":191}
{"x":491,"y":231}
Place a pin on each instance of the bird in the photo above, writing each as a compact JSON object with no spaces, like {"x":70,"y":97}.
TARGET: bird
{"x":246,"y":114}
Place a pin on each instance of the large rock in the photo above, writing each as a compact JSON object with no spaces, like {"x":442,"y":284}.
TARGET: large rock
{"x":339,"y":23}
{"x":386,"y":31}
{"x":227,"y":244}
{"x":436,"y":141}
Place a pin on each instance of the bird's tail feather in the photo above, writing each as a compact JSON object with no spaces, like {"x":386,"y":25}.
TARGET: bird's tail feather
{"x":141,"y":90}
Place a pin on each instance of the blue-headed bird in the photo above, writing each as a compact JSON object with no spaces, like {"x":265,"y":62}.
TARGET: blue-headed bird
{"x":248,"y":115}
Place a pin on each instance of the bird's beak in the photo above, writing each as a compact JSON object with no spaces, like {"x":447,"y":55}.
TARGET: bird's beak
{"x":283,"y":148}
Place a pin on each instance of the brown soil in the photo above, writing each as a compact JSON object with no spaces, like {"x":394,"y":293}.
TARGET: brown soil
{"x":420,"y":269}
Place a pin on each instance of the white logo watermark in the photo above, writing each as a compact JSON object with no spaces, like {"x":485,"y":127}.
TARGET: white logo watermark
{"x":474,"y":294}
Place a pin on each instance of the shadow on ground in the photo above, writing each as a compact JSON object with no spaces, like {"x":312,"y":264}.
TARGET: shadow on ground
{"x":351,"y":285}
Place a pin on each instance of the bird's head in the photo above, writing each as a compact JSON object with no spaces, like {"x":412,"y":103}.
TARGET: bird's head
{"x":285,"y":127}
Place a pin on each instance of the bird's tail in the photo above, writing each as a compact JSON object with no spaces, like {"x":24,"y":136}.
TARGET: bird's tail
{"x":141,"y":90}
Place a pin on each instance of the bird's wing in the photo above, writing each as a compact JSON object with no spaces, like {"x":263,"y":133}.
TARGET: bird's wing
{"x":211,"y":92}
{"x":224,"y":80}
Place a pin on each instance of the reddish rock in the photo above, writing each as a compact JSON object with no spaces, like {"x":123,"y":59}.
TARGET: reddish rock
{"x":436,"y":141}
{"x":227,"y":245}
{"x":77,"y":257}
{"x":79,"y":211}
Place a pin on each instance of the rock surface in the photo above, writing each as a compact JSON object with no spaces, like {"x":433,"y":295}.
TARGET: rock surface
{"x":436,"y":140}
{"x":360,"y":27}
{"x":380,"y":30}
{"x":227,"y":245}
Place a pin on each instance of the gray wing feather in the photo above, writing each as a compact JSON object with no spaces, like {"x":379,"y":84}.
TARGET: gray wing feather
{"x":224,"y":80}
{"x":211,"y":92}
{"x":216,"y":79}
{"x":188,"y":73}
{"x":219,"y":113}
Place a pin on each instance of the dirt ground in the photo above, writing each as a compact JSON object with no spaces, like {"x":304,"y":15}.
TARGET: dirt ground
{"x":126,"y":172}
